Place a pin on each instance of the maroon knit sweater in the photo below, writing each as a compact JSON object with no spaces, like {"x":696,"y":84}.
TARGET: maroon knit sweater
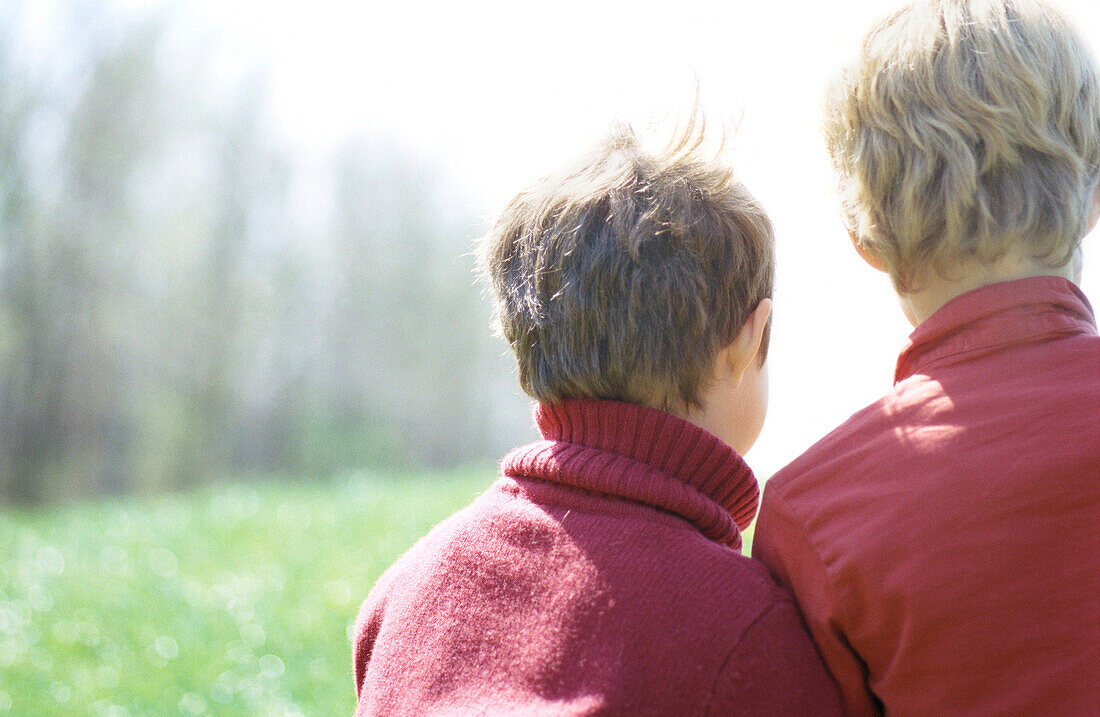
{"x":599,"y":575}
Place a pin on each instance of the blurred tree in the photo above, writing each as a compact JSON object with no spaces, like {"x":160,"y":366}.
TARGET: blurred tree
{"x":184,"y":294}
{"x":243,"y":164}
{"x":405,"y":332}
{"x":30,"y":389}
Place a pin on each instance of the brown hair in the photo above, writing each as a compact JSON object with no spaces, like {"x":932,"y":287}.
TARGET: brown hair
{"x":623,"y":276}
{"x":967,"y":128}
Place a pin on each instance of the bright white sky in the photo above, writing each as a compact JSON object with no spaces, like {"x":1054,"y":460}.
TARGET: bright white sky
{"x":504,"y":91}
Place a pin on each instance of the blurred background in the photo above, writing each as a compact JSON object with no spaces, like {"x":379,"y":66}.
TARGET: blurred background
{"x":244,"y":362}
{"x":235,"y":236}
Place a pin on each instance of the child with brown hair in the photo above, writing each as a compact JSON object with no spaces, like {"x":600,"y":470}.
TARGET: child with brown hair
{"x":602,"y":573}
{"x":944,"y":542}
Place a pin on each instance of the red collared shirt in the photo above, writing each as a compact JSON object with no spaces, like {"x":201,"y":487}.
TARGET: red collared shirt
{"x":944,"y":543}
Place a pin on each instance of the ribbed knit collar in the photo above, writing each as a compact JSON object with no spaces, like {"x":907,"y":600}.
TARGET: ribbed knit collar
{"x":643,"y":455}
{"x":1013,"y":312}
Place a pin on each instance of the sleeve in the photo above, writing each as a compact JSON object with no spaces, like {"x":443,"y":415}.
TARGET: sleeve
{"x":367,"y":626}
{"x":366,"y":631}
{"x":782,"y":544}
{"x":775,"y":670}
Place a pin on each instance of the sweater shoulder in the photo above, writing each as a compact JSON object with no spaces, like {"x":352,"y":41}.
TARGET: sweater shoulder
{"x":654,"y":560}
{"x":598,"y":598}
{"x":667,"y":567}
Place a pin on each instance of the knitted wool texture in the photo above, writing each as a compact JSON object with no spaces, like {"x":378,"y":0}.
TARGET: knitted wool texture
{"x":598,"y":575}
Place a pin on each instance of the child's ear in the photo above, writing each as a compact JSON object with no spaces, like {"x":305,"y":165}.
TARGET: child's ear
{"x":865,"y":252}
{"x":745,"y":348}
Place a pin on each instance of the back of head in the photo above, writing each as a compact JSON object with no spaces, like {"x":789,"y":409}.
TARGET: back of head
{"x":965,"y":130}
{"x":623,"y":276}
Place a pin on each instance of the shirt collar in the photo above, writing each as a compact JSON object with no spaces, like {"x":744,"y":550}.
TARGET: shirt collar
{"x":644,"y":455}
{"x":1013,"y":312}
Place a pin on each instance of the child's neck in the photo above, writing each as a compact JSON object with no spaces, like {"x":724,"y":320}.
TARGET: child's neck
{"x":937,"y":291}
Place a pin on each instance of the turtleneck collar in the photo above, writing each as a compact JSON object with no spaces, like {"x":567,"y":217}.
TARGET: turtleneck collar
{"x":644,"y":455}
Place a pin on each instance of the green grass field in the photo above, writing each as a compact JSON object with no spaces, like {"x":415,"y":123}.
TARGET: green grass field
{"x":236,"y":600}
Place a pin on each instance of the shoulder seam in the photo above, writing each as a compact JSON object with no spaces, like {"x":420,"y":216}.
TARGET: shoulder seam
{"x":737,"y":646}
{"x":808,"y":539}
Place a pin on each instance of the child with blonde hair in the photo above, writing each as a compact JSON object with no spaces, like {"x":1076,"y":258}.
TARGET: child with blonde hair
{"x":943,"y":543}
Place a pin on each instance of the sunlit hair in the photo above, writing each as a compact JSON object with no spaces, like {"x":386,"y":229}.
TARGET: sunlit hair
{"x":624,"y":275}
{"x":967,"y":129}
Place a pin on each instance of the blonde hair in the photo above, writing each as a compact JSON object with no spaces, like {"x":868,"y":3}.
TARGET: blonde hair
{"x":966,"y":128}
{"x":623,"y":276}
